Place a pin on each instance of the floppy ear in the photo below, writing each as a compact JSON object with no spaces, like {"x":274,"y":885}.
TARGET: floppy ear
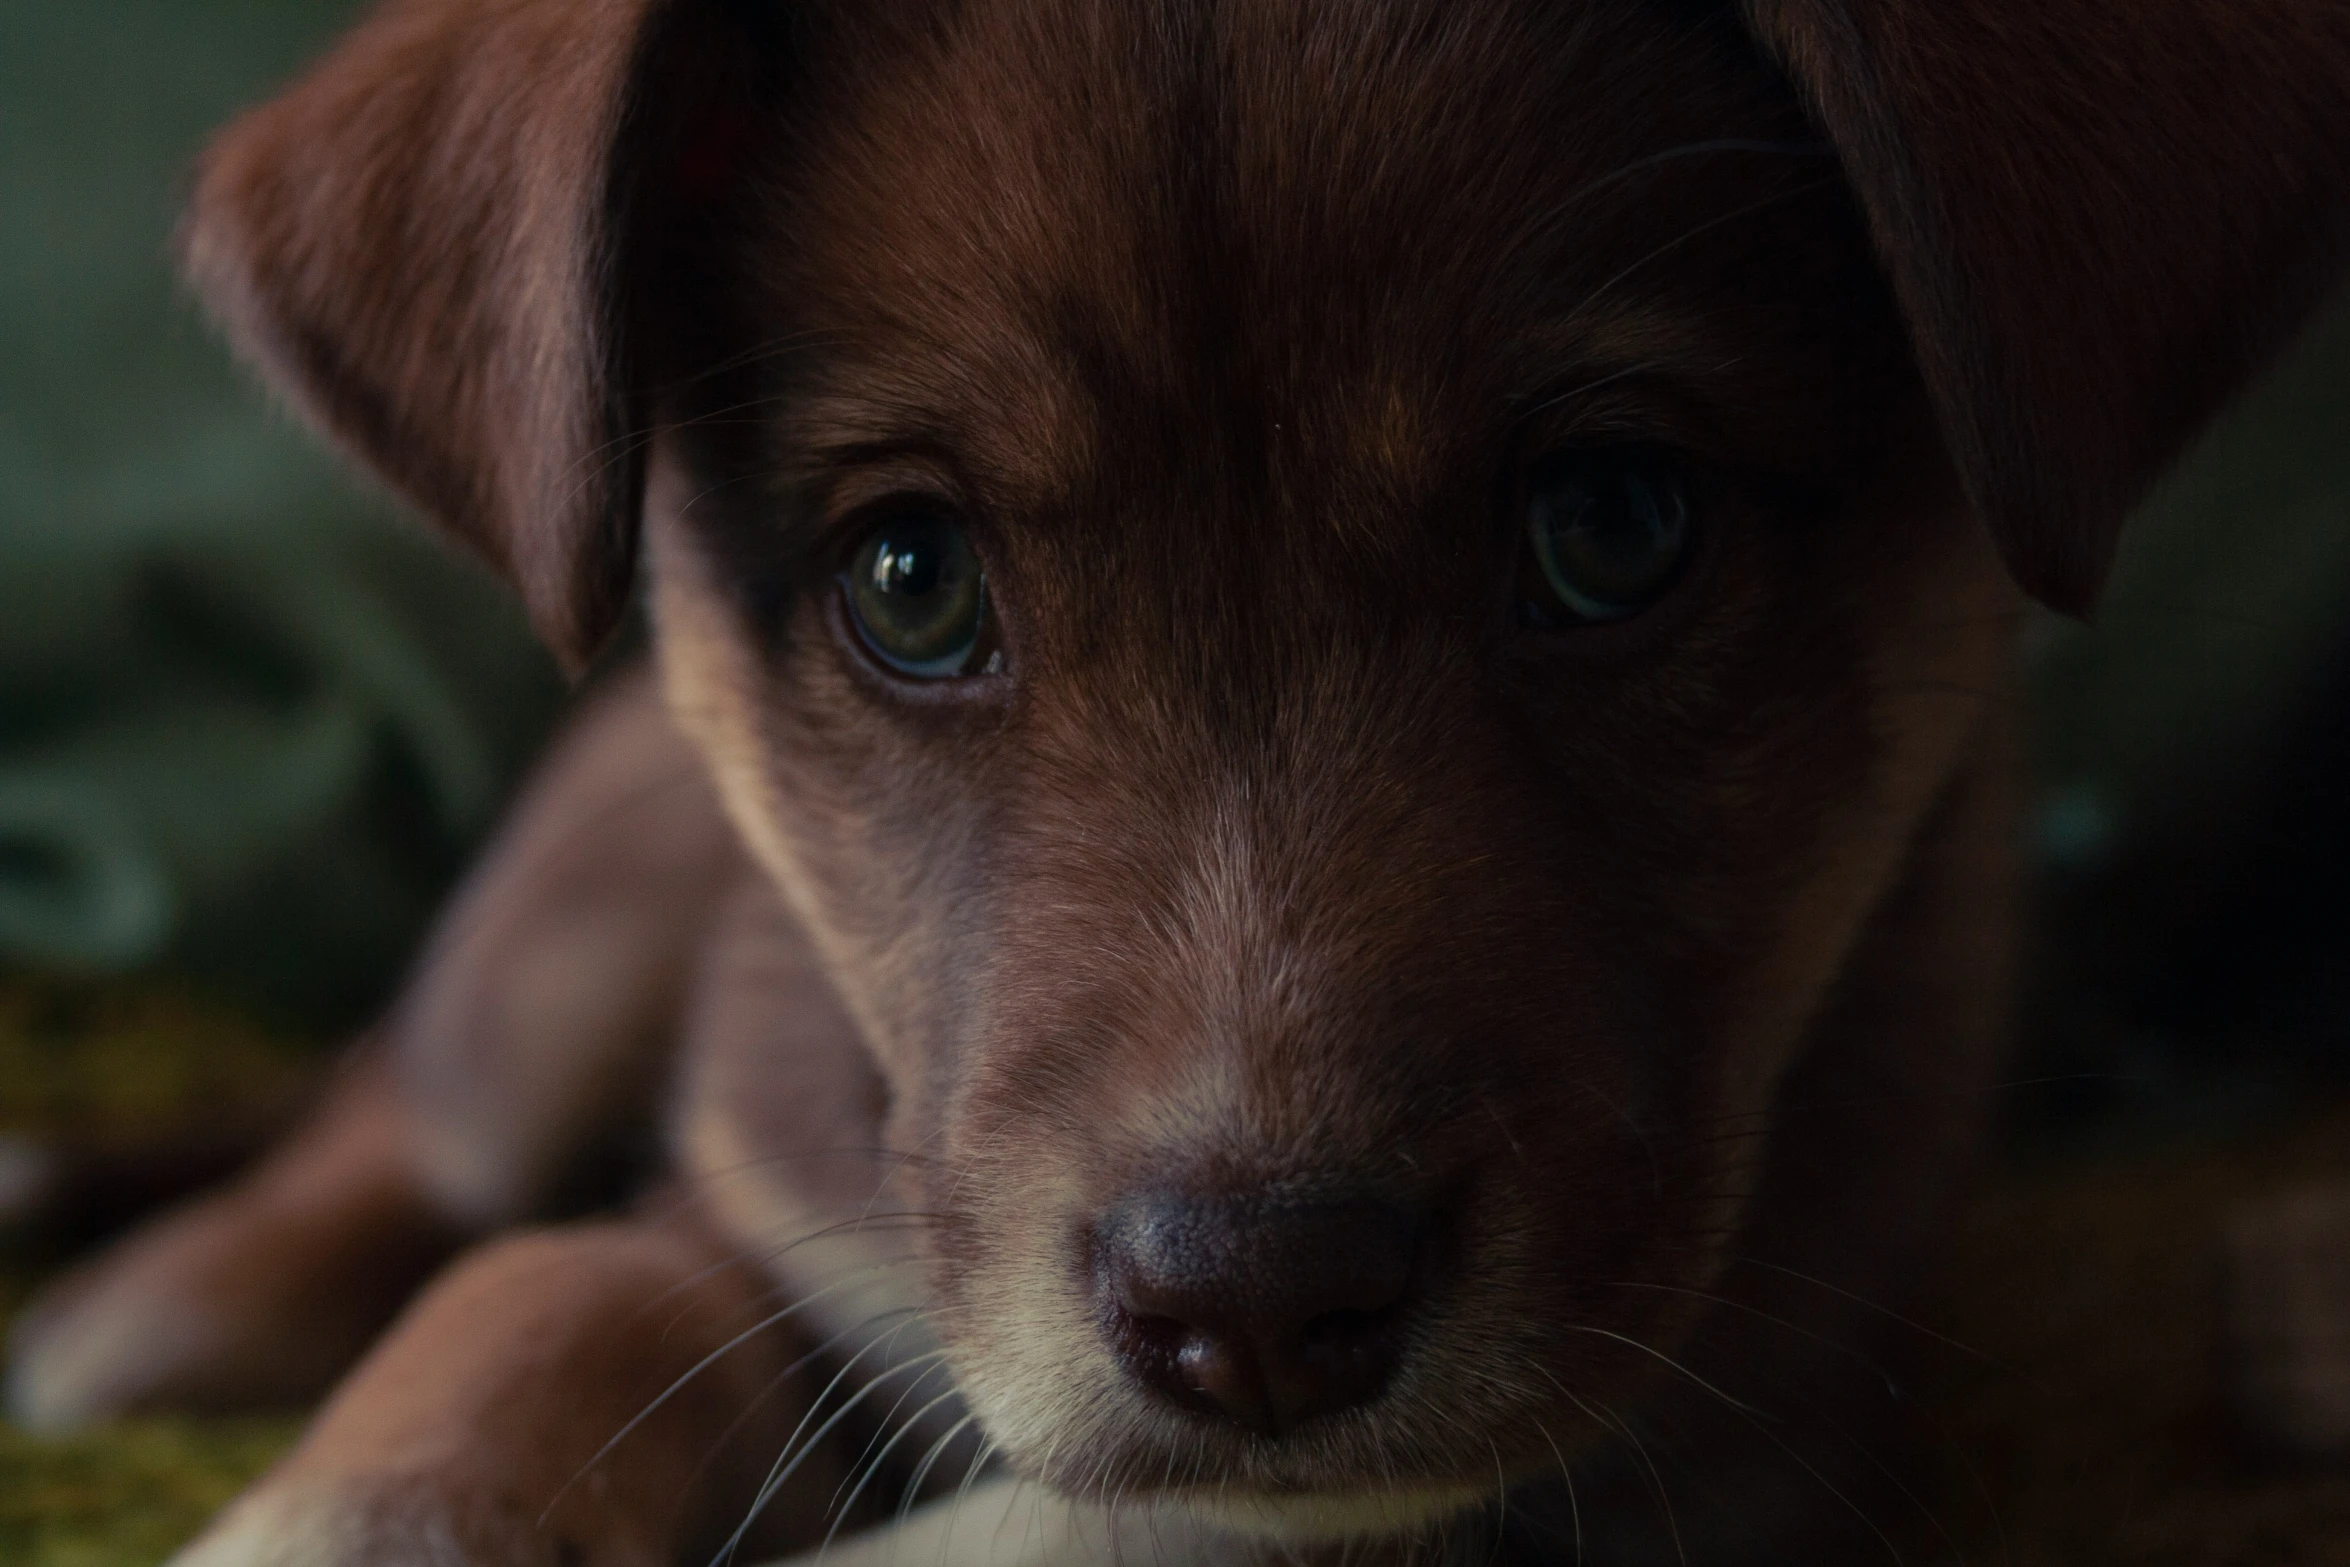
{"x":427,"y":243}
{"x":2099,"y":217}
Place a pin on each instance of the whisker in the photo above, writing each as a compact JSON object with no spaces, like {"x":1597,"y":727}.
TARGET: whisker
{"x":804,"y":1155}
{"x":1839,"y":1348}
{"x":873,"y":1468}
{"x":1888,"y":1313}
{"x":714,"y":487}
{"x":773,"y":348}
{"x":1596,"y":383}
{"x":1755,"y":1419}
{"x":1567,"y":1474}
{"x":783,"y":1287}
{"x":883,"y":1431}
{"x":979,"y":1460}
{"x":1958,"y":1449}
{"x":765,"y":1492}
{"x":1727,"y":1303}
{"x":1660,"y":1356}
{"x":745,"y":1415}
{"x":760,"y":1259}
{"x":1925,"y":1511}
{"x":907,"y":1218}
{"x":1900,"y":1485}
{"x":890,"y":1175}
{"x":1598,"y":295}
{"x":703,"y":1365}
{"x":1608,"y":1420}
{"x":1501,"y":1493}
{"x":780,"y":1474}
{"x":1655,"y":160}
{"x":937,"y":1451}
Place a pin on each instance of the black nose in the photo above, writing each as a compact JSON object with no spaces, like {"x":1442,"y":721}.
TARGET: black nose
{"x":1264,"y":1310}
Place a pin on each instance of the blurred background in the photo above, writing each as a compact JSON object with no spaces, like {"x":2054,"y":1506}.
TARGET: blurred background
{"x":249,"y":721}
{"x":252,"y":724}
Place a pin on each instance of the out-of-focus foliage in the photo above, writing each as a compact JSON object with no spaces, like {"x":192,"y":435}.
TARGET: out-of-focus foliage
{"x":117,"y":1066}
{"x":128,"y":1496}
{"x":250,"y":721}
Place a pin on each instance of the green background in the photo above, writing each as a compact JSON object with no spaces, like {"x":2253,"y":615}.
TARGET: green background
{"x":249,"y":720}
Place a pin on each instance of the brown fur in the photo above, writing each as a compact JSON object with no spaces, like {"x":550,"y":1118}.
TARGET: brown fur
{"x":1657,"y":966}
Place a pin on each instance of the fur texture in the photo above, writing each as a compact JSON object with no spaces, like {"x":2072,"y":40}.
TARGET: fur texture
{"x":1653,"y":970}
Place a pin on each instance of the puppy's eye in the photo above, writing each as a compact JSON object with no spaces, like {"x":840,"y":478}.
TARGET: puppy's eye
{"x":918,"y":598}
{"x":1607,"y":534}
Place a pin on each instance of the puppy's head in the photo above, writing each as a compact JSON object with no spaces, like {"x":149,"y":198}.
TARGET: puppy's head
{"x":1332,"y":615}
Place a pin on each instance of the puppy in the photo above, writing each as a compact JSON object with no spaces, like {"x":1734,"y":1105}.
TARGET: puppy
{"x":1358,"y":654}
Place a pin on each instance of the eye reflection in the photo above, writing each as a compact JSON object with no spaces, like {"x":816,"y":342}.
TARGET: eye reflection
{"x":918,"y":597}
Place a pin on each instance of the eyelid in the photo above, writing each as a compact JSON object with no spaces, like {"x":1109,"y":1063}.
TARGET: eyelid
{"x":1622,"y":405}
{"x":850,"y":513}
{"x":1669,"y":417}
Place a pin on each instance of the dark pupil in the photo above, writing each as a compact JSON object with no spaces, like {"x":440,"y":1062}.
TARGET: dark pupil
{"x":917,"y":594}
{"x":910,"y":566}
{"x":1619,"y":533}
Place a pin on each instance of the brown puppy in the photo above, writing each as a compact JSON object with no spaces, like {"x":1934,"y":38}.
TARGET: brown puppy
{"x":1360,"y":649}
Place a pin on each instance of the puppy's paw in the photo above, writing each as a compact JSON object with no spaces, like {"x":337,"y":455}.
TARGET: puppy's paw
{"x":278,"y":1529}
{"x":396,"y":1523}
{"x":233,"y":1302}
{"x":138,"y":1328}
{"x":2288,"y":1276}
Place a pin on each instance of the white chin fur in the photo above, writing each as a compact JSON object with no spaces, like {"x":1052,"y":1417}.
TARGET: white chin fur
{"x":1319,"y":1518}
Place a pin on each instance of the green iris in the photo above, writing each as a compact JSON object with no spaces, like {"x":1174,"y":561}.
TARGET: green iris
{"x":918,"y":597}
{"x":1607,"y":534}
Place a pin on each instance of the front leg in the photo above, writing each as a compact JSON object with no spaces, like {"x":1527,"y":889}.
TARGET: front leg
{"x":523,"y":1050}
{"x":480,"y":1432}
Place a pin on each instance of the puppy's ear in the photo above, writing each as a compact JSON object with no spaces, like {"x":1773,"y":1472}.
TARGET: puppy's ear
{"x":2099,"y":217}
{"x":427,"y":244}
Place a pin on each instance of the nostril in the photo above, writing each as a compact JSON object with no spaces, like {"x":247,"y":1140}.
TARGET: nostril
{"x":1260,"y":1308}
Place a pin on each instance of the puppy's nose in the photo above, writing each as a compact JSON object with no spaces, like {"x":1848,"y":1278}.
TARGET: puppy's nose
{"x":1262,"y":1310}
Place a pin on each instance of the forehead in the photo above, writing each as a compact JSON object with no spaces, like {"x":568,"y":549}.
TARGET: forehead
{"x":1015,"y":224}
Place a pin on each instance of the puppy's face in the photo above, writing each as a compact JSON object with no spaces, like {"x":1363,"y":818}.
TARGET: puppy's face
{"x":1333,"y":612}
{"x":1334,"y":675}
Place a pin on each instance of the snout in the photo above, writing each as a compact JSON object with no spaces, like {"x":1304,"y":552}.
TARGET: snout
{"x":1263,"y":1309}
